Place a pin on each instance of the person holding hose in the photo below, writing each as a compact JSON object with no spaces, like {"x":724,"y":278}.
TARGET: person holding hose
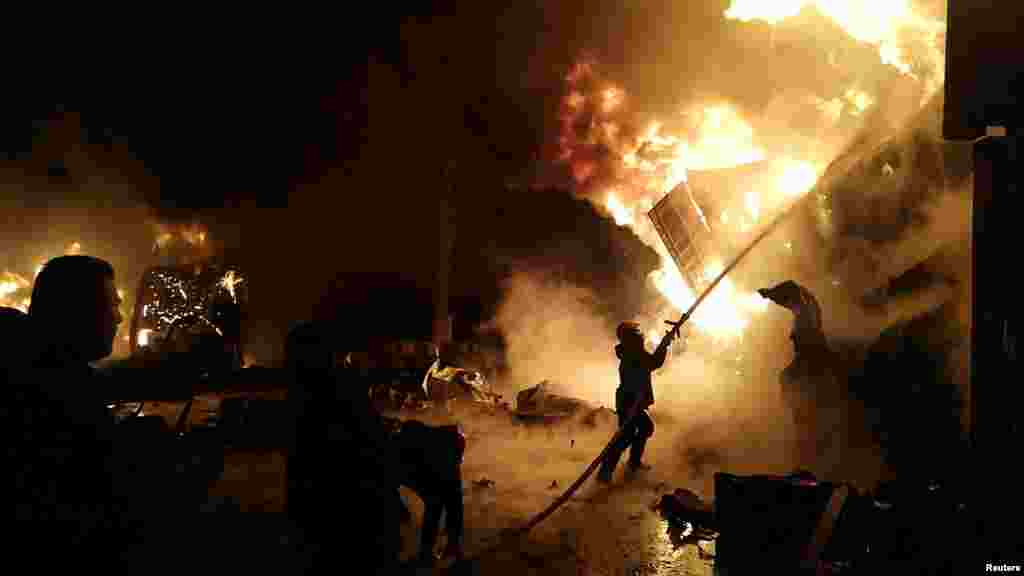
{"x":635,"y":389}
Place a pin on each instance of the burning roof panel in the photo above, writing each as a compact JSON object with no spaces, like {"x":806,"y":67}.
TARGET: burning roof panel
{"x":681,"y":216}
{"x":685,"y":232}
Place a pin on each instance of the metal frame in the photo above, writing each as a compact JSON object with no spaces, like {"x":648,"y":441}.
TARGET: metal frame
{"x":689,"y":250}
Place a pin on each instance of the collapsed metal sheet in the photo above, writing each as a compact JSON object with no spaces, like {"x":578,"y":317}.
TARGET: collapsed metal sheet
{"x":683,"y":218}
{"x":685,"y":232}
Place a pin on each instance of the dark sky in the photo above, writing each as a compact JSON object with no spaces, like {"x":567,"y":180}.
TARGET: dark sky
{"x":315,"y":148}
{"x":316,"y":151}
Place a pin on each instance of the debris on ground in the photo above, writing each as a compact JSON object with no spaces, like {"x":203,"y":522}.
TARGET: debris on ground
{"x":538,"y":403}
{"x":459,"y":384}
{"x":690,"y":519}
{"x":600,"y":416}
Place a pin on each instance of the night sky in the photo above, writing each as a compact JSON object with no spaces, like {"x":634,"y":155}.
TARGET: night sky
{"x":315,"y":147}
{"x":315,"y":153}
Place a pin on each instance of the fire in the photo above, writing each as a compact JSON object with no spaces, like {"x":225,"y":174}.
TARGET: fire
{"x":726,"y":140}
{"x":886,"y":24}
{"x":193,"y":235}
{"x":15,"y":289}
{"x":623,"y":216}
{"x":860,"y":100}
{"x":629,"y":166}
{"x":611,"y":99}
{"x":654,"y":161}
{"x":796,"y":177}
{"x":229,"y":281}
{"x":11,"y":285}
{"x":724,"y":314}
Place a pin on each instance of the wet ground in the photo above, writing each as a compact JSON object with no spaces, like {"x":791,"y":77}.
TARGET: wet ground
{"x":512,"y":471}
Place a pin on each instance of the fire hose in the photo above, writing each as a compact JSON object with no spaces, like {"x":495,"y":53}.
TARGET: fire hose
{"x":635,"y":410}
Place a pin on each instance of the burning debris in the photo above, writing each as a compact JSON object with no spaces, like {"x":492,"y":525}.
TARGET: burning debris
{"x":189,"y":293}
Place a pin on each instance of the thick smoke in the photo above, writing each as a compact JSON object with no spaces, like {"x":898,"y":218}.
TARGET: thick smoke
{"x":553,"y":332}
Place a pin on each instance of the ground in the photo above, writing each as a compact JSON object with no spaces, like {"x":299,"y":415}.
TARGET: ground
{"x":600,"y":531}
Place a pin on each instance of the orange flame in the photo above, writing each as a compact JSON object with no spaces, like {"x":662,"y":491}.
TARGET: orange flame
{"x":655,"y":161}
{"x":229,"y":281}
{"x":886,"y":24}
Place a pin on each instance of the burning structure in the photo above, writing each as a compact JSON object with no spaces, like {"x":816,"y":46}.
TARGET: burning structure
{"x":190,"y":299}
{"x":685,"y":232}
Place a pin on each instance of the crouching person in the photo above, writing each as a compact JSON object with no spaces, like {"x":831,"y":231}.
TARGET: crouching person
{"x":431,"y":466}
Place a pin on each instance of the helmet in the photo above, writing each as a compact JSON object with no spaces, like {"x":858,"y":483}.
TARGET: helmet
{"x":625,"y":329}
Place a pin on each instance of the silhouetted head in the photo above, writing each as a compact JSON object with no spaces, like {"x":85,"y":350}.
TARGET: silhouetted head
{"x":75,"y":307}
{"x":629,"y":334}
{"x":14,"y":334}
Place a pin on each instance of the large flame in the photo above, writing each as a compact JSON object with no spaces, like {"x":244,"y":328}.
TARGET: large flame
{"x":645,"y":164}
{"x":656,"y":161}
{"x":893,"y":26}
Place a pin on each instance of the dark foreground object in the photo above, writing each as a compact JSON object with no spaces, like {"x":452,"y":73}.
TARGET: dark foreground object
{"x":766,"y":522}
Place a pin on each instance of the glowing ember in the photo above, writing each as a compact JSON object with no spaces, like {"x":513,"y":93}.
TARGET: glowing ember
{"x":143,"y":337}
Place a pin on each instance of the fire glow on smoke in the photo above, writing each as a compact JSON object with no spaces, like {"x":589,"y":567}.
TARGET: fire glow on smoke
{"x":647,"y":164}
{"x":656,"y":162}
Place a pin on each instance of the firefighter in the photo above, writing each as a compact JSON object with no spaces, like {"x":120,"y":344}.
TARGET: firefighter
{"x":635,"y":367}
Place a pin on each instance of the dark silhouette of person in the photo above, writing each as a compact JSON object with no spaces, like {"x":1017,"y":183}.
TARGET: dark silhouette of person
{"x":14,"y":332}
{"x":431,"y":460}
{"x":635,"y":390}
{"x":334,"y":417}
{"x":68,"y":431}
